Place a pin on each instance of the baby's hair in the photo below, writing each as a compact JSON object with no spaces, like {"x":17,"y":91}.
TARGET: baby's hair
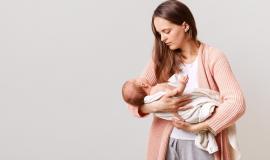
{"x":133,"y":93}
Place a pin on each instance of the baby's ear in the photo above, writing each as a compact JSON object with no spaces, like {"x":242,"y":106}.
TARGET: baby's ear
{"x":143,"y":82}
{"x":145,"y":85}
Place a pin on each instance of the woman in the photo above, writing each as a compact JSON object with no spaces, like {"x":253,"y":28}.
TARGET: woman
{"x":177,"y":50}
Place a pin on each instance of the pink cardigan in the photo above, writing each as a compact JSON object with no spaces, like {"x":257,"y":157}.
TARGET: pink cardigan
{"x":214,"y":72}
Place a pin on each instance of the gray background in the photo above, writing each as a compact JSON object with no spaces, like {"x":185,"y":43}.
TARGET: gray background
{"x":62,"y":64}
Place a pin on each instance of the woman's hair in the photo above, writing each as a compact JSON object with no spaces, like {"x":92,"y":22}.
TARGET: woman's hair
{"x":167,"y":61}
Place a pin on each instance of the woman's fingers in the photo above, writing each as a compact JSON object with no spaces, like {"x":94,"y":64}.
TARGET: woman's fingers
{"x":182,"y":125}
{"x":184,"y":108}
{"x":182,"y":103}
{"x":179,"y":124}
{"x":184,"y":97}
{"x":171,"y":103}
{"x":176,"y":115}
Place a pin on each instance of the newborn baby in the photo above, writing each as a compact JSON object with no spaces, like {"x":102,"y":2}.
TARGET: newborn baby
{"x":135,"y":91}
{"x":204,"y":101}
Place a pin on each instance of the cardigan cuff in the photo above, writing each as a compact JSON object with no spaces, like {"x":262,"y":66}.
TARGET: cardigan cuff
{"x":136,"y":111}
{"x":214,"y":126}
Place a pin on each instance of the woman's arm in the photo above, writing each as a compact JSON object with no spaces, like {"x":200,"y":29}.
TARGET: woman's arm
{"x":195,"y":128}
{"x":147,"y":108}
{"x":233,"y":106}
{"x":148,"y":75}
{"x":167,"y":103}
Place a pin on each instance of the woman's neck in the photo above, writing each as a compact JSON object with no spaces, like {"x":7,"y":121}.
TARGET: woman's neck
{"x":189,"y":51}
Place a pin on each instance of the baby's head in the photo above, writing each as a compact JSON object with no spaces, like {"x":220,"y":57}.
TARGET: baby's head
{"x":134,"y":91}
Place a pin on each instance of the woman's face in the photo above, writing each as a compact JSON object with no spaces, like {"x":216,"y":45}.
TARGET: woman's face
{"x":171,"y":34}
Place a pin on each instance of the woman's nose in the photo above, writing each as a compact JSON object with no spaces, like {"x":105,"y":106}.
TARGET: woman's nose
{"x":163,"y":38}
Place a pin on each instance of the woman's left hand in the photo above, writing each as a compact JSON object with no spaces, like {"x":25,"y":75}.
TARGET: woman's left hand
{"x":195,"y":128}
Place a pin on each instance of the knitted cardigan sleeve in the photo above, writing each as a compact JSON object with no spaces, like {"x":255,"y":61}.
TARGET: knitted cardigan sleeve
{"x":148,"y":75}
{"x":233,"y":105}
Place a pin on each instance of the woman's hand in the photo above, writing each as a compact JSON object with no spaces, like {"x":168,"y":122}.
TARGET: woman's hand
{"x":170,"y":103}
{"x":195,"y":128}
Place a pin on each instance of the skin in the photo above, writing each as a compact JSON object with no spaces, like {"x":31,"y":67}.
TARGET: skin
{"x":176,"y":36}
{"x":166,"y":87}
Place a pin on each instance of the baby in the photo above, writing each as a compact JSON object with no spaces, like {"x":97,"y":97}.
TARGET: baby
{"x":135,"y":91}
{"x":204,"y":101}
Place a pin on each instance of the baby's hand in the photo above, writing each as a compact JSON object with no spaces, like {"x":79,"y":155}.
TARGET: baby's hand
{"x":182,"y":84}
{"x":183,"y":79}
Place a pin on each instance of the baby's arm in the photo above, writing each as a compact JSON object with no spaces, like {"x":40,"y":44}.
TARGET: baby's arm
{"x":168,"y":88}
{"x":161,"y":87}
{"x":182,"y":85}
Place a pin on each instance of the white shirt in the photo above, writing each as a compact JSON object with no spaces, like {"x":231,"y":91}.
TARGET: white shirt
{"x":191,"y":70}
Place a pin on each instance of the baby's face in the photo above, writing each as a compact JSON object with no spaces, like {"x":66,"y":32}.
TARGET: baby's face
{"x":142,"y":84}
{"x":135,"y":83}
{"x":134,"y":91}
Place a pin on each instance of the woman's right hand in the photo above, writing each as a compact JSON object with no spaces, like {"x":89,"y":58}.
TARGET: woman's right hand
{"x":171,"y":103}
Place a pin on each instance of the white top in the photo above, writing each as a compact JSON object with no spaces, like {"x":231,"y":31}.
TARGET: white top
{"x":190,"y":70}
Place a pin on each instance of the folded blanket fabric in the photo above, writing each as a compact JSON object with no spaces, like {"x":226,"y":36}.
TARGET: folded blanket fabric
{"x":203,"y":104}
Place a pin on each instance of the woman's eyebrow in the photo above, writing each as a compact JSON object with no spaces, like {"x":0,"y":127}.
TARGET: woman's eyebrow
{"x":164,"y":29}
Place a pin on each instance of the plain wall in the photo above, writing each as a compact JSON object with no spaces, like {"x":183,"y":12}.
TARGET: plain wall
{"x":63,"y":62}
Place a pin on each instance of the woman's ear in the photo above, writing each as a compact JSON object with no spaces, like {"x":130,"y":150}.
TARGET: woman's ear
{"x":186,"y":26}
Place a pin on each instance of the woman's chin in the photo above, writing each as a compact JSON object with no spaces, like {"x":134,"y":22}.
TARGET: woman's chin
{"x":172,"y":47}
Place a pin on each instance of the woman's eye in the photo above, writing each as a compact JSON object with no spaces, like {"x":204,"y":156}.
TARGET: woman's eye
{"x":167,"y":32}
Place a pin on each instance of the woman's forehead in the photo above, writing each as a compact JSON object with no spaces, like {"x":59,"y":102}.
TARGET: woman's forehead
{"x":161,"y":24}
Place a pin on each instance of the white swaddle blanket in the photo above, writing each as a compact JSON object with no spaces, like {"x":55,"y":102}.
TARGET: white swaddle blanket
{"x":203,"y":101}
{"x":203,"y":104}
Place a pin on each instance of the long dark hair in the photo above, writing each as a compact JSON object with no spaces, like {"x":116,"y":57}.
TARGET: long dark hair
{"x":167,"y":61}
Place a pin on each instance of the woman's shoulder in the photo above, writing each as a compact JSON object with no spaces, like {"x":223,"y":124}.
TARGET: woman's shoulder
{"x":213,"y":53}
